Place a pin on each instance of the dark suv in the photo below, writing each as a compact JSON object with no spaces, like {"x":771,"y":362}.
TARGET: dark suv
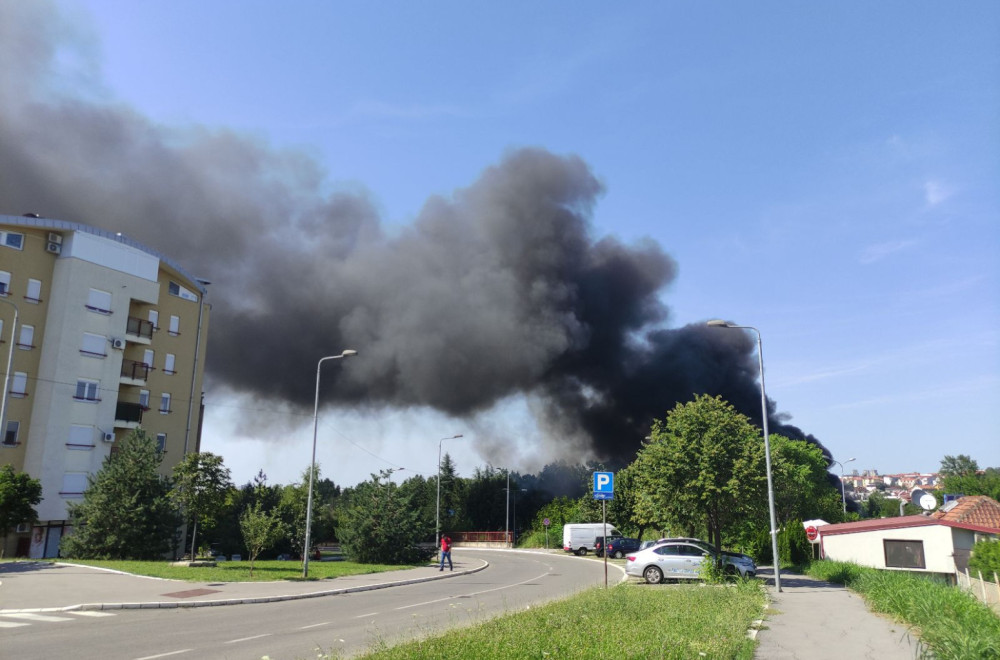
{"x":618,"y":546}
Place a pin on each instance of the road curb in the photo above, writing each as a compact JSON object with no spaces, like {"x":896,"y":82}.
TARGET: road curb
{"x":163,"y":605}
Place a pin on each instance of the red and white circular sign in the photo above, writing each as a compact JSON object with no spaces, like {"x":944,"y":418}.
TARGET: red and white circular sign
{"x":812,"y":533}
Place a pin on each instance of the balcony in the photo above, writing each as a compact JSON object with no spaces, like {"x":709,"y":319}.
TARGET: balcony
{"x":139,"y":331}
{"x":128,"y":415}
{"x":134,"y":372}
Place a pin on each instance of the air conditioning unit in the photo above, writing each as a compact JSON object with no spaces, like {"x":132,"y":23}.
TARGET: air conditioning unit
{"x":118,"y":343}
{"x":55,"y":238}
{"x":23,"y":528}
{"x":109,"y":437}
{"x":53,"y":248}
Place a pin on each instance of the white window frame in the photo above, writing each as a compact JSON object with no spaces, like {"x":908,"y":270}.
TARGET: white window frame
{"x":147,"y":357}
{"x":175,"y":326}
{"x":169,"y":363}
{"x":33,"y":294}
{"x":161,"y":443}
{"x":6,"y":236}
{"x":26,"y":340}
{"x":144,"y":399}
{"x":73,"y":483}
{"x":4,"y":283}
{"x":94,"y":345}
{"x":99,"y":301}
{"x":19,"y":385}
{"x":88,"y":390}
{"x":81,"y":437}
{"x":11,"y":432}
{"x":165,"y":403}
{"x":154,"y":318}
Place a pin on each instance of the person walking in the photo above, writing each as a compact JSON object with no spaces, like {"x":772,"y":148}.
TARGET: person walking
{"x":446,"y":553}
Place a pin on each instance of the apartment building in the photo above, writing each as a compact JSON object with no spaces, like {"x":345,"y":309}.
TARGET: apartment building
{"x":110,"y":335}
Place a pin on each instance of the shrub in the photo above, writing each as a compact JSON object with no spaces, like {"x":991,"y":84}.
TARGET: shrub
{"x":985,"y":558}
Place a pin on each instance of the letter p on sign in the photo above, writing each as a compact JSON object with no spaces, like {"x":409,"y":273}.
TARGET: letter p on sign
{"x":604,"y":485}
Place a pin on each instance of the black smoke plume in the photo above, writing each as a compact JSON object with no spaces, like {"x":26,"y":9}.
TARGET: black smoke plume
{"x":497,"y":289}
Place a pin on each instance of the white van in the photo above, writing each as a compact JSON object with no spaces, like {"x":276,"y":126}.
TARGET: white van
{"x":581,"y":537}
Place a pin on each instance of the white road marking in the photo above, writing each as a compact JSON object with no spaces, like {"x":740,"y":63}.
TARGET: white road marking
{"x":247,"y":639}
{"x":31,"y":616}
{"x":315,"y":625}
{"x":164,"y":655}
{"x":474,"y":593}
{"x":11,"y":624}
{"x":91,"y":613}
{"x":361,"y":616}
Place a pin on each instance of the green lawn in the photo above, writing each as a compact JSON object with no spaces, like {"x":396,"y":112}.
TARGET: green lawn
{"x":239,"y":571}
{"x":631,"y":620}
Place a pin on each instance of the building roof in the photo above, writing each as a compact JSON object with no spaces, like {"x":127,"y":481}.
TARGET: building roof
{"x":977,"y":510}
{"x":979,"y":514}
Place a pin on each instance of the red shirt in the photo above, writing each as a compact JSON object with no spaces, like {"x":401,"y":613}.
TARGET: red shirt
{"x":446,"y":544}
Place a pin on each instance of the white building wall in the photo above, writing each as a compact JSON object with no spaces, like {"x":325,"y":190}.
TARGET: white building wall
{"x":866,"y":548}
{"x":54,"y":409}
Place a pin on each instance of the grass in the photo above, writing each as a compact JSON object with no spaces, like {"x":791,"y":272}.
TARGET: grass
{"x":629,"y":621}
{"x":950,"y":622}
{"x":239,"y":571}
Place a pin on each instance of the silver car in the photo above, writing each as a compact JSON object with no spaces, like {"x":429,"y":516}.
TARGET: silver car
{"x":681,"y":560}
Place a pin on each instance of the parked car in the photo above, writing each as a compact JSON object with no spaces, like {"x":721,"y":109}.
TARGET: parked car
{"x":727,"y":555}
{"x":578,"y":538}
{"x":619,"y":546}
{"x":682,"y":560}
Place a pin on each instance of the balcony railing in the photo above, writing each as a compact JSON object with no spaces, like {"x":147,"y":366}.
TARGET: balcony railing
{"x":135,"y":370}
{"x":129,"y":412}
{"x":139,"y":328}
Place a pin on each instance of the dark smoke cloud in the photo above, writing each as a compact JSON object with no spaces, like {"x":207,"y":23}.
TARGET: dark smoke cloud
{"x":496,"y":290}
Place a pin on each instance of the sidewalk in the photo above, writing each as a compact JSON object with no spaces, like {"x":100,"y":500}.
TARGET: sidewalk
{"x":815,"y":620}
{"x":27,"y":586}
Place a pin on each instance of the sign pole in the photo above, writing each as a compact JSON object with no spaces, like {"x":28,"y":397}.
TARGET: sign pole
{"x":604,"y":516}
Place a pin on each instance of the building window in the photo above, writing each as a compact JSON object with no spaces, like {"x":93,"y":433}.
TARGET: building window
{"x":27,"y":338}
{"x":87,"y":390}
{"x":19,"y":386}
{"x":12,"y":239}
{"x":144,"y":399}
{"x":73,"y":484}
{"x":154,"y":318}
{"x":175,"y":289}
{"x":904,"y":554}
{"x":165,"y":402}
{"x":10,"y":435}
{"x":80,"y":437}
{"x":4,"y":283}
{"x":161,"y":442}
{"x":147,"y":357}
{"x":175,"y":326}
{"x":95,"y":345}
{"x":34,"y":292}
{"x":99,"y":301}
{"x":168,"y":365}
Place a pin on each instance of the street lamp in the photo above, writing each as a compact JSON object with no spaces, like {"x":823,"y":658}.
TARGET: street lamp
{"x":843,"y":496}
{"x":717,"y":323}
{"x":312,"y":464}
{"x":6,"y":376}
{"x":437,"y":514}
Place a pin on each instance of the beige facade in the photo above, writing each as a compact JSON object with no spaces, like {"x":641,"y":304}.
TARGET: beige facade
{"x":110,"y":336}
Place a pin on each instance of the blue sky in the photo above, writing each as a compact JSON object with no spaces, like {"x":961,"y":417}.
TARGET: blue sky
{"x":828,"y":172}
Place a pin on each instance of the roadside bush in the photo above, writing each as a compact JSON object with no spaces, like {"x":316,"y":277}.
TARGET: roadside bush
{"x":985,"y":558}
{"x":793,"y":546}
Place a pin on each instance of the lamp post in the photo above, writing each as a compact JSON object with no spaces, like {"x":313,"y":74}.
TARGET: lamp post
{"x":6,"y":375}
{"x":843,"y":496}
{"x":312,"y":463}
{"x":767,"y":446}
{"x":437,"y":514}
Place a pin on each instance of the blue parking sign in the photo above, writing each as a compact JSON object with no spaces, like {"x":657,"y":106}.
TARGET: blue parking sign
{"x":604,"y":485}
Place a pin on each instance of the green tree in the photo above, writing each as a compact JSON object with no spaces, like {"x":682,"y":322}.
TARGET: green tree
{"x":958,"y":466}
{"x":126,"y":512}
{"x":379,"y":525}
{"x":261,"y":530}
{"x":19,"y":494}
{"x":986,"y":483}
{"x":986,"y":558}
{"x":802,"y":489}
{"x":292,"y":511}
{"x":703,"y":465}
{"x":201,"y":483}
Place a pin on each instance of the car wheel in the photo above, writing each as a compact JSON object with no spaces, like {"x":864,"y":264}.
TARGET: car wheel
{"x":653,"y":575}
{"x":580,"y":552}
{"x":619,"y":554}
{"x":731,"y":571}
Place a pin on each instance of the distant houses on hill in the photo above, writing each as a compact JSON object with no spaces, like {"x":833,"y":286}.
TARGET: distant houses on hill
{"x":859,"y":485}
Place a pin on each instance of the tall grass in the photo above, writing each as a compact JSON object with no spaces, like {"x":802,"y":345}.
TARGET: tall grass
{"x":630,"y":621}
{"x":950,"y":622}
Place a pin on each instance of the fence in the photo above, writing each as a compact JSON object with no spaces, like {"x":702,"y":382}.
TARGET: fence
{"x":984,"y":590}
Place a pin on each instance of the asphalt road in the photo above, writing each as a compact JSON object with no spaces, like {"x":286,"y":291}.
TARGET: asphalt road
{"x":347,"y":624}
